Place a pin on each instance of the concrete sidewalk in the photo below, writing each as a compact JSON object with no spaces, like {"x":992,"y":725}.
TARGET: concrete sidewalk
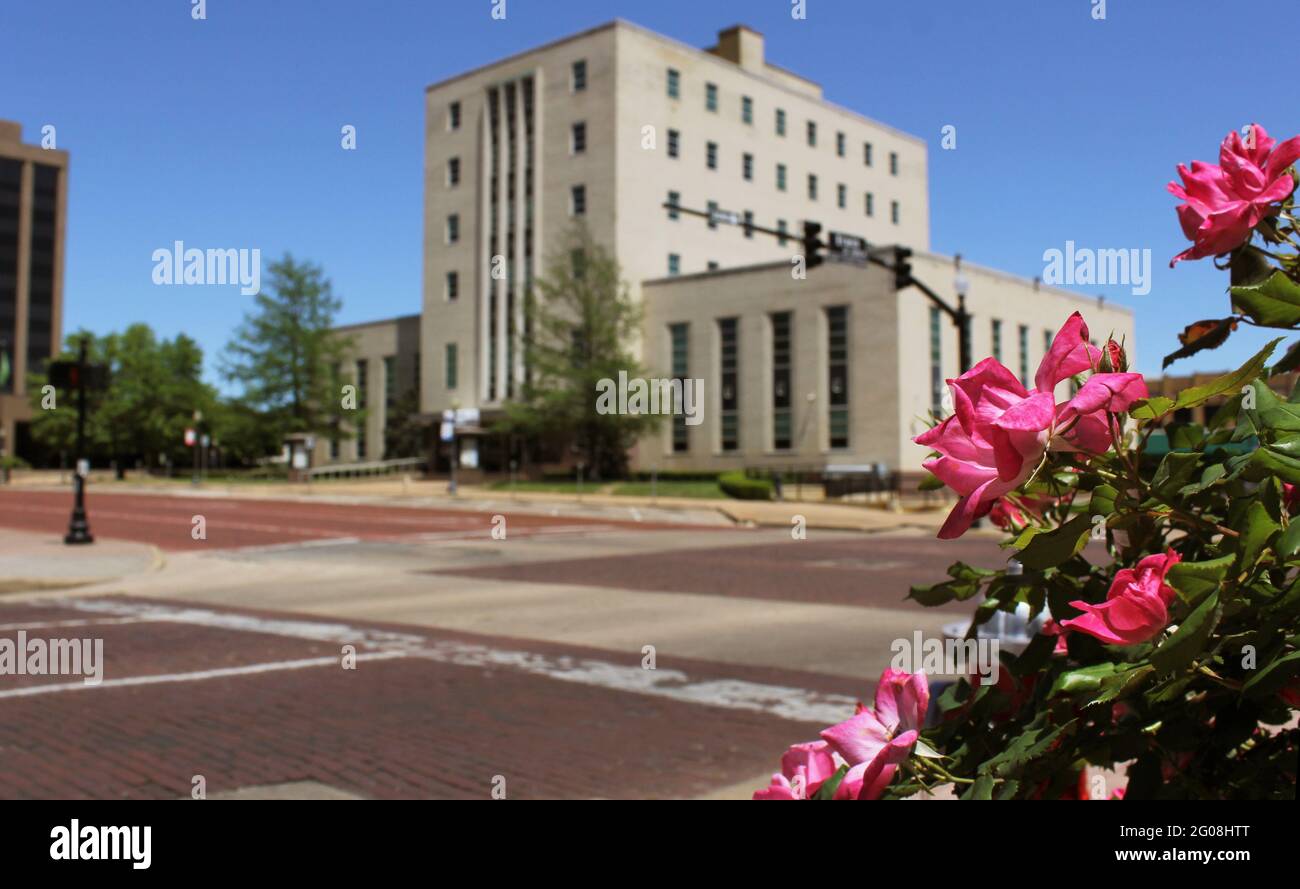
{"x":33,"y":563}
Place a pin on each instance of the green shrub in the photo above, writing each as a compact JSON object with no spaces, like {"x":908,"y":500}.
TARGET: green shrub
{"x":742,"y":487}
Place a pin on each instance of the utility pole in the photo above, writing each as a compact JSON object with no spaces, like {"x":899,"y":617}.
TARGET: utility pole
{"x":78,"y":526}
{"x":850,"y":248}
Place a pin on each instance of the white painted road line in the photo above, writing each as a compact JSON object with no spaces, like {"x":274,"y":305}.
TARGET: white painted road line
{"x":88,"y":622}
{"x":788,"y":702}
{"x":196,"y":676}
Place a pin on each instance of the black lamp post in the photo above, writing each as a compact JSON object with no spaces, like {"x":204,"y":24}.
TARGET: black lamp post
{"x":78,"y":526}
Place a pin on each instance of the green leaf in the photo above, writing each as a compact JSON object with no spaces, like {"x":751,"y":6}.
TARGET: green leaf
{"x":1174,"y":471}
{"x":1195,"y":579}
{"x":1229,"y":382}
{"x":1289,"y":361}
{"x":1150,"y":408}
{"x":1273,"y":303}
{"x":1084,"y":679}
{"x":1103,"y":500}
{"x":1259,"y":529}
{"x":1121,"y":683}
{"x":1273,"y":413}
{"x":1188,"y":640}
{"x":1273,"y":676}
{"x":1289,"y":543}
{"x":1212,"y":474}
{"x":981,"y":789}
{"x":1054,"y":547}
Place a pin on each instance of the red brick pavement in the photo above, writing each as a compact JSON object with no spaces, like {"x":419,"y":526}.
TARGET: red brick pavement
{"x":167,"y":521}
{"x":404,"y":728}
{"x":867,"y":571}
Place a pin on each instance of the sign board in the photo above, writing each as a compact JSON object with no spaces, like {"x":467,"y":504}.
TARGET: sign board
{"x":728,"y":217}
{"x":847,"y":248}
{"x":467,"y":416}
{"x":469,"y":453}
{"x":83,"y":468}
{"x":446,"y":431}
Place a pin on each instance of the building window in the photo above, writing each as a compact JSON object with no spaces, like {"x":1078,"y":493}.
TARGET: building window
{"x":453,"y":286}
{"x":893,"y":212}
{"x":746,"y":109}
{"x":578,"y":200}
{"x":674,"y":84}
{"x":674,"y":201}
{"x":453,"y":172}
{"x":578,"y":145}
{"x":866,"y":153}
{"x":681,"y":432}
{"x":870,"y":204}
{"x":711,"y":96}
{"x":781,"y":227}
{"x":997,"y":339}
{"x":713,"y":214}
{"x":747,"y":167}
{"x":749,"y":223}
{"x":578,"y":264}
{"x":362,"y":381}
{"x":780,"y":177}
{"x":713,"y":265}
{"x":893,"y":163}
{"x":812,"y":133}
{"x":1023,"y":336}
{"x":782,"y":369}
{"x":579,"y":75}
{"x":674,"y":264}
{"x":841,"y":144}
{"x":729,"y":365}
{"x":453,"y":116}
{"x":780,"y":122}
{"x":812,"y":186}
{"x":936,"y":363}
{"x":837,"y":327}
{"x":672,"y":143}
{"x":842,"y":195}
{"x":390,"y":381}
{"x":451,"y":367}
{"x":711,"y":156}
{"x":453,"y":228}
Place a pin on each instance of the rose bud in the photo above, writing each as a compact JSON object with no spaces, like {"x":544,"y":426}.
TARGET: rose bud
{"x":1113,"y":359}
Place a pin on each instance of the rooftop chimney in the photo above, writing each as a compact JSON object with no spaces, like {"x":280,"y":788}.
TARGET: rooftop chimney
{"x":11,"y":131}
{"x":741,"y":45}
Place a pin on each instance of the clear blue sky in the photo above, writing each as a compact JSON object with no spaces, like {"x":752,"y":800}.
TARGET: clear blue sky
{"x":225,"y":132}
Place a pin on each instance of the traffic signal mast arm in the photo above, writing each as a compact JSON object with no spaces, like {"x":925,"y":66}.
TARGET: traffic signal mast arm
{"x":901,"y":267}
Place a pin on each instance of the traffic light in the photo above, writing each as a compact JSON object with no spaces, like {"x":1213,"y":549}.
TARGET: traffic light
{"x":902,"y":267}
{"x":812,"y":245}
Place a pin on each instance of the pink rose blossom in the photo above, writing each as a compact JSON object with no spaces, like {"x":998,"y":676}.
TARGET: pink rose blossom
{"x":1224,"y":203}
{"x":875,"y":741}
{"x":804,"y":768}
{"x":999,"y":431}
{"x":1136,"y":607}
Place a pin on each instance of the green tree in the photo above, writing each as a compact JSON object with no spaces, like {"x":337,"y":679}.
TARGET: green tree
{"x":405,"y":435}
{"x":285,"y":354}
{"x":582,"y":322}
{"x":155,"y":385}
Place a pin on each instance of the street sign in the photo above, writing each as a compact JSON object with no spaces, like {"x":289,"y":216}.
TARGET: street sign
{"x":446,"y":431}
{"x":727,"y":217}
{"x":847,"y":248}
{"x":467,"y":416}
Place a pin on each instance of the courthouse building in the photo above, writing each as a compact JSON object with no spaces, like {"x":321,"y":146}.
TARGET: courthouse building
{"x":606,"y":126}
{"x":33,"y":205}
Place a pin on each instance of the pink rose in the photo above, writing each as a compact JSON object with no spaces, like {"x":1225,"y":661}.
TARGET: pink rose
{"x":875,"y":741}
{"x":804,"y":768}
{"x":999,"y":431}
{"x":1136,"y":607}
{"x":1226,"y":202}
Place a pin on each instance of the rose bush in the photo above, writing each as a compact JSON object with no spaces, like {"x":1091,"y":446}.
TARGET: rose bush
{"x":1172,"y":648}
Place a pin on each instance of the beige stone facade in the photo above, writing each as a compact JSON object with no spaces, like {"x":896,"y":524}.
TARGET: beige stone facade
{"x":384,"y":365}
{"x":898,"y":355}
{"x":33,"y":213}
{"x":502,"y":160}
